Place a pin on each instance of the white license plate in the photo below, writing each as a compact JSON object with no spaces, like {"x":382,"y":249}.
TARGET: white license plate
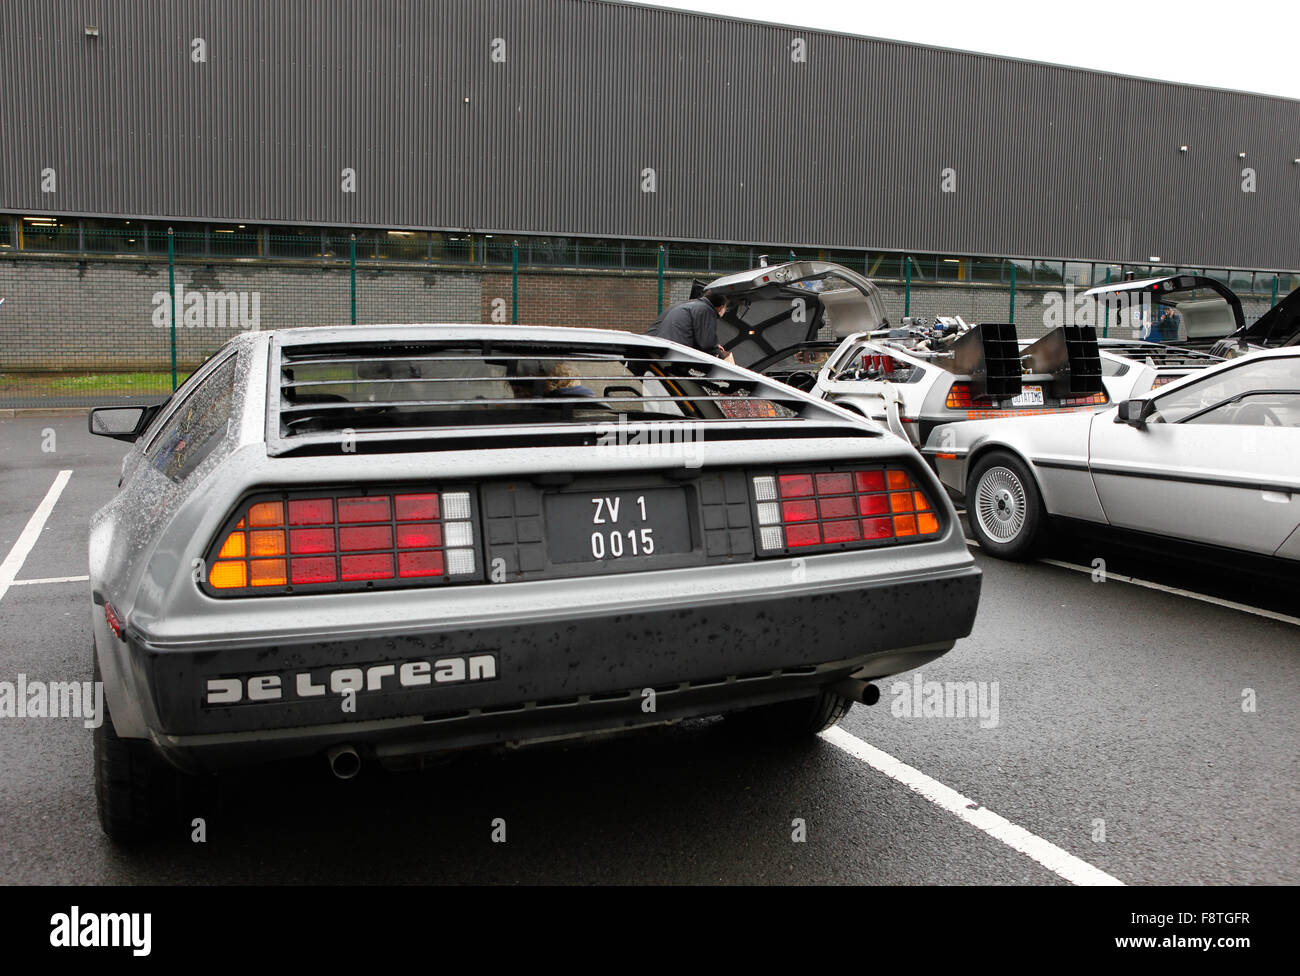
{"x":1030,"y":396}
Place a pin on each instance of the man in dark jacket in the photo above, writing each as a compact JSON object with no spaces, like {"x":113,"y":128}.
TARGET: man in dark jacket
{"x":693,"y":323}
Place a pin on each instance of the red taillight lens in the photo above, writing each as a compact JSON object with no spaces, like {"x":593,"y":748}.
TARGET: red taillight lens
{"x":416,"y":507}
{"x":795,"y":485}
{"x":839,"y":483}
{"x":313,"y":569}
{"x":303,"y":541}
{"x":296,"y":544}
{"x":355,"y":537}
{"x":373,"y":509}
{"x":419,"y":564}
{"x":799,"y":511}
{"x":838,"y":508}
{"x":1085,"y":401}
{"x":959,"y":397}
{"x":367,"y":566}
{"x":419,"y":535}
{"x":311,"y":511}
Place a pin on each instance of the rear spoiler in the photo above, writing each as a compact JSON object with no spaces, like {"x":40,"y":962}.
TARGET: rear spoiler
{"x":1069,"y":354}
{"x":990,"y":355}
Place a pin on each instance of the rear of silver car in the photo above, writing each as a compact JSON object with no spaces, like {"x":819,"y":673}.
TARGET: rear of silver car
{"x":400,"y":548}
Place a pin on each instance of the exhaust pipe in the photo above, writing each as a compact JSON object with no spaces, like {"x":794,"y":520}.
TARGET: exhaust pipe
{"x":855,"y":689}
{"x":344,"y":761}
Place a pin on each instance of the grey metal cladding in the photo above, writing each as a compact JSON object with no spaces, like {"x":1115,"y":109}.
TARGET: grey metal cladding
{"x":843,"y":149}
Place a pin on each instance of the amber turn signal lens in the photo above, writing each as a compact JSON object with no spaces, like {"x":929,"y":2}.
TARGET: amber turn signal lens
{"x":228,"y":575}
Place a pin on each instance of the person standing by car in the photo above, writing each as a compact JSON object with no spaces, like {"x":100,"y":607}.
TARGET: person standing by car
{"x":1167,"y":326}
{"x":694,"y":323}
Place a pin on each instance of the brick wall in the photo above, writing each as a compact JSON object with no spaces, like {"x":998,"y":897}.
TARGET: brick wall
{"x":611,"y":301}
{"x":68,"y":315}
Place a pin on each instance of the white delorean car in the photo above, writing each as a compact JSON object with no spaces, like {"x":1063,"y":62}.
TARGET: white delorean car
{"x":1211,"y":461}
{"x":381,"y":543}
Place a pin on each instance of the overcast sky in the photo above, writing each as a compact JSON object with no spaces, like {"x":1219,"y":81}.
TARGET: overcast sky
{"x":1249,"y":45}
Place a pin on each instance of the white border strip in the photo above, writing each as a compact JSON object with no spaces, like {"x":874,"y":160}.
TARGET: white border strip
{"x":1056,"y":860}
{"x":51,"y":579}
{"x":27,"y":538}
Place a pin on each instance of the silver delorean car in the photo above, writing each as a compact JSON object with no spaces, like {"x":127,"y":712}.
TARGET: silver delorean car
{"x":1208,"y":461}
{"x":386,"y":542}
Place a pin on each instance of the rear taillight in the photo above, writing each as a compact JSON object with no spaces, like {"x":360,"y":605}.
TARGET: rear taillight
{"x":1084,"y":401}
{"x":841,"y":509}
{"x":959,"y":397}
{"x":1162,"y":380}
{"x":346,"y":540}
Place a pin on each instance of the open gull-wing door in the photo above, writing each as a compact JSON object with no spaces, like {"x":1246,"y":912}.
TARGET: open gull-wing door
{"x":1205,"y":309}
{"x":1279,"y":326}
{"x":773,"y":311}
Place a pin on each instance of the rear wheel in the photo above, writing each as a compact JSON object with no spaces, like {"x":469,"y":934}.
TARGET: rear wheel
{"x":797,"y":719}
{"x":138,"y":795}
{"x":1004,"y":508}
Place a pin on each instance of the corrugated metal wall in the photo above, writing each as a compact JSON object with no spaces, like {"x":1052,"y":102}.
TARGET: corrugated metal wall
{"x":844,"y":149}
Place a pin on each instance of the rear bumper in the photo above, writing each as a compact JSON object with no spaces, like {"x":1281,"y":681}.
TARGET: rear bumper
{"x":575,"y":674}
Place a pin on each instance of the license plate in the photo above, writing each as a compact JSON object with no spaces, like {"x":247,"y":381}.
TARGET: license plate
{"x":1030,"y":396}
{"x":626,"y":525}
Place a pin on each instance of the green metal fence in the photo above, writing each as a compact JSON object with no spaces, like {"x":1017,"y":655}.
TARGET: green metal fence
{"x":98,"y":311}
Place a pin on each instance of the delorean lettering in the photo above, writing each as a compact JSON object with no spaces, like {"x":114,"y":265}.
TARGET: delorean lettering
{"x":303,"y":685}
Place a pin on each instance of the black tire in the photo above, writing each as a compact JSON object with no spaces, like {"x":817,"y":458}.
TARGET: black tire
{"x":1004,"y":508}
{"x":140,"y":796}
{"x":797,"y":719}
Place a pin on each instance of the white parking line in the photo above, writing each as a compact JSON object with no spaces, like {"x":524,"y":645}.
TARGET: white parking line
{"x":1217,"y":601}
{"x":27,"y":538}
{"x":51,"y":579}
{"x":1056,"y":860}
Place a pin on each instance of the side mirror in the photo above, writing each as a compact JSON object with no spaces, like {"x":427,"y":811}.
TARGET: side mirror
{"x":122,"y":423}
{"x":1135,"y":413}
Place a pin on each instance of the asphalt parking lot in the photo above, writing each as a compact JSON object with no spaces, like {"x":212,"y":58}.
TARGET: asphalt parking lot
{"x":1118,"y":745}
